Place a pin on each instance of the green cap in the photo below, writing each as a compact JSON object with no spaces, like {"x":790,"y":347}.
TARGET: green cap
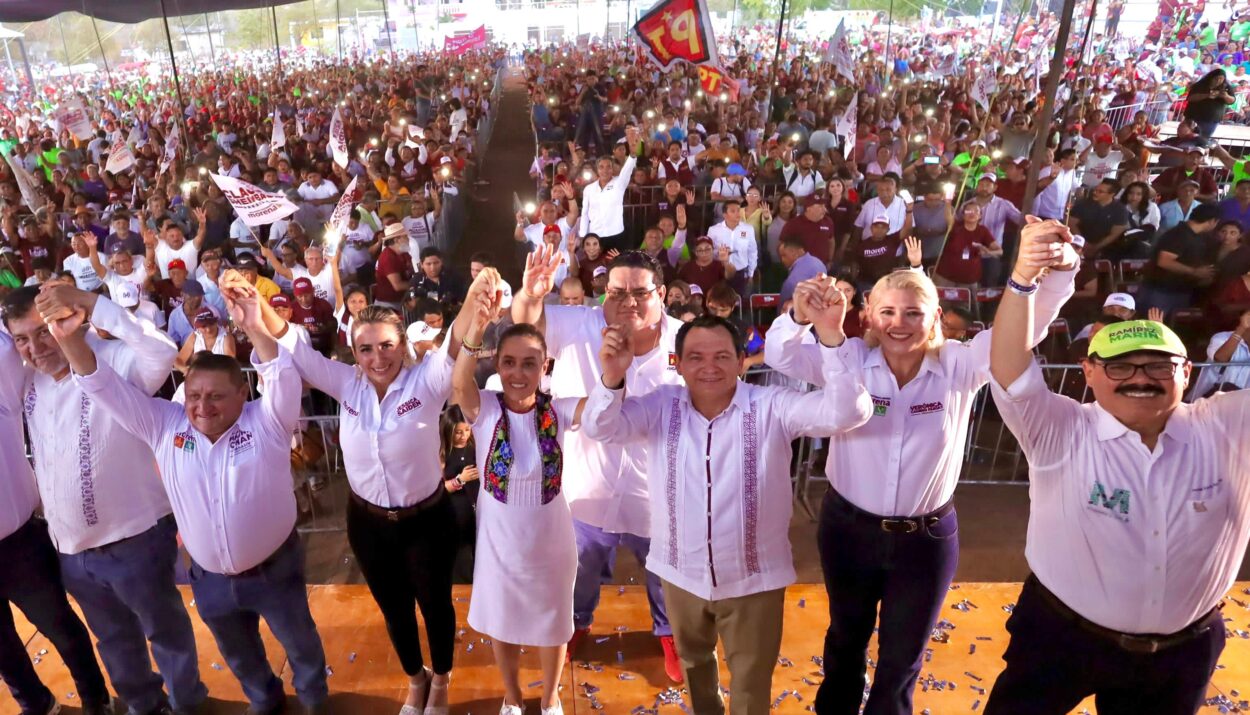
{"x":1134,"y":335}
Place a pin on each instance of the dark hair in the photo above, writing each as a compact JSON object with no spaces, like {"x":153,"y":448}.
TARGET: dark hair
{"x":18,"y":303}
{"x":451,"y":417}
{"x":722,"y":294}
{"x":1204,"y":212}
{"x":430,"y":251}
{"x":793,"y":241}
{"x":638,"y":259}
{"x":1142,"y":207}
{"x":521,"y":330}
{"x":710,"y":322}
{"x":962,"y":313}
{"x":732,"y":202}
{"x":1111,"y":185}
{"x":892,"y":177}
{"x":483,"y":257}
{"x":1064,"y":154}
{"x":677,"y":309}
{"x":206,"y":361}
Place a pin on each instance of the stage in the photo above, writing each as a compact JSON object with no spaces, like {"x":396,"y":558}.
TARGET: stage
{"x":620,"y":669}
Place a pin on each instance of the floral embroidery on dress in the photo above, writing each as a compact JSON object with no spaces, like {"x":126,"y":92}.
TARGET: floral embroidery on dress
{"x":501,"y":456}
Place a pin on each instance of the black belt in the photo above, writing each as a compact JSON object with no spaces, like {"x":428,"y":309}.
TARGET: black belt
{"x":1132,"y":642}
{"x":891,"y":524}
{"x":401,"y":512}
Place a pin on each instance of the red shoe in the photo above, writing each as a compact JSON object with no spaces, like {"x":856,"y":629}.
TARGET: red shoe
{"x":672,"y":665}
{"x":579,"y":637}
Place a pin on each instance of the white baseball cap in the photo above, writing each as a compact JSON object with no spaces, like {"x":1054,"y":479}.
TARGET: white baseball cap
{"x":505,"y":294}
{"x":1124,"y":300}
{"x":125,"y":294}
{"x":1078,"y":240}
{"x":421,"y":331}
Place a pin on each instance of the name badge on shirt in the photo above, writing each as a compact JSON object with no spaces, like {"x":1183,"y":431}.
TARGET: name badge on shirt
{"x":925,"y":408}
{"x":406,"y":407}
{"x":185,"y":442}
{"x":672,"y":361}
{"x":880,"y":405}
{"x":241,"y":443}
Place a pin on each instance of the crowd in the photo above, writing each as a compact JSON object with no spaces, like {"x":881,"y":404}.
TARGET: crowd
{"x":880,"y":217}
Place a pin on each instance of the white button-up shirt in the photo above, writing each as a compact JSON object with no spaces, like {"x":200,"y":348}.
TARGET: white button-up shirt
{"x":607,"y":484}
{"x":799,"y":184}
{"x":720,"y":489}
{"x":906,"y":460}
{"x":232,"y":498}
{"x":1052,"y":201}
{"x":390,"y":446}
{"x":603,"y":207}
{"x":18,"y":493}
{"x":996,"y":214}
{"x":98,"y":482}
{"x":1135,"y":540}
{"x":743,"y":250}
{"x":896,"y":212}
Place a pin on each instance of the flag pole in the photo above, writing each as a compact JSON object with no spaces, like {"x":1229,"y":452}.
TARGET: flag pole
{"x":107,"y":71}
{"x":386,"y":23}
{"x":338,"y":27}
{"x":768,"y":109}
{"x":69,"y":64}
{"x":1048,"y":103}
{"x":277,"y":48}
{"x":173,"y":64}
{"x":212,"y":51}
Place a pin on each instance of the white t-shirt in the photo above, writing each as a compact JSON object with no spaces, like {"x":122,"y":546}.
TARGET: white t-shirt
{"x":84,"y":273}
{"x":355,"y":248}
{"x":323,"y":282}
{"x":421,"y":231}
{"x":1098,"y":168}
{"x":188,"y":253}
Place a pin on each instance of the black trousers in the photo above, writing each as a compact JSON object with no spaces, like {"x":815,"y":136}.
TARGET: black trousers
{"x":907,"y":575}
{"x":30,"y":579}
{"x":618,"y":241}
{"x":408,"y":563}
{"x":1053,"y":664}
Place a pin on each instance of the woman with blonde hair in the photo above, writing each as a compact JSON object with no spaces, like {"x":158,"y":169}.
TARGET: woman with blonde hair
{"x":400,"y":524}
{"x":888,"y":534}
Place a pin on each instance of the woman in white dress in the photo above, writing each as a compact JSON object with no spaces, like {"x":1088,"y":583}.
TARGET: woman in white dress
{"x":526,"y":557}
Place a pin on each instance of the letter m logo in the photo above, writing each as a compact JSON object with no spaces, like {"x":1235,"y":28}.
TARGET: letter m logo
{"x":1119,"y":498}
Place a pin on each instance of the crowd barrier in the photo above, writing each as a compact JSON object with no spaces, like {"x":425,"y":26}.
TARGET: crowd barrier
{"x":991,"y":454}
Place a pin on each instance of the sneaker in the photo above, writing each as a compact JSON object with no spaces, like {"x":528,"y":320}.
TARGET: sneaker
{"x":672,"y":664}
{"x":556,"y":709}
{"x":579,"y":636}
{"x":510,"y":710}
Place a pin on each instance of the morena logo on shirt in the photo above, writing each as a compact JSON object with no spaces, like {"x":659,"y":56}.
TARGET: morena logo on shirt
{"x":184,"y":441}
{"x":672,"y":360}
{"x":350,"y":410}
{"x":880,"y":405}
{"x":1117,"y":505}
{"x":407,"y":407}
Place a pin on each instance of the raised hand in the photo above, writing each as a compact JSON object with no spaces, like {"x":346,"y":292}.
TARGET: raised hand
{"x":567,"y":188}
{"x":689,"y":196}
{"x":915,"y":253}
{"x":540,"y":271}
{"x":616,"y":355}
{"x":1155,"y":314}
{"x":722,"y":253}
{"x":232,"y":281}
{"x":68,"y":325}
{"x":612,"y":254}
{"x":827,"y":313}
{"x":90,"y":240}
{"x":486,"y":282}
{"x":58,"y":301}
{"x":816,"y":287}
{"x":485,"y":307}
{"x":1041,"y":246}
{"x":243,"y":307}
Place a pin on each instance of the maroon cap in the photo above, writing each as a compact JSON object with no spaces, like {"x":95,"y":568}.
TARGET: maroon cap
{"x":280,"y":301}
{"x":302,"y":286}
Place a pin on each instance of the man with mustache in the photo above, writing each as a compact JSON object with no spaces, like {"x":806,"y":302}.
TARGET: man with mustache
{"x":1138,"y":521}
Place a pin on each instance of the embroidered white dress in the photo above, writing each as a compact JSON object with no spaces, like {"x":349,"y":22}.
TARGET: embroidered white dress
{"x":526,"y":557}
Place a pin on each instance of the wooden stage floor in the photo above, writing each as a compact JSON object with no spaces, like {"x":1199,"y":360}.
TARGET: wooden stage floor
{"x":621,"y":670}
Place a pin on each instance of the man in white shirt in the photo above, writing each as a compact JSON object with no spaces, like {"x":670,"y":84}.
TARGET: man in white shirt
{"x":107,"y":514}
{"x":609,"y":500}
{"x":721,"y":542}
{"x":225,"y":464}
{"x":802,"y":179}
{"x":314,"y":269}
{"x":1224,"y":347}
{"x":319,"y":197}
{"x":886,"y":203}
{"x":79,"y":263}
{"x":548,"y":215}
{"x":739,"y":238}
{"x":1137,"y":521}
{"x":603,"y":201}
{"x":31,"y":576}
{"x":1055,"y":185}
{"x":171,"y":243}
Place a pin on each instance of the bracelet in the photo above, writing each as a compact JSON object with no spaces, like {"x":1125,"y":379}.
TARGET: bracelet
{"x":1020,"y":288}
{"x":464,"y":342}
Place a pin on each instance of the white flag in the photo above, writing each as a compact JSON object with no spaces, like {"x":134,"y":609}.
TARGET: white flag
{"x":171,"y":148}
{"x":342,"y":212}
{"x":338,"y":140}
{"x":120,"y":157}
{"x":299,"y":128}
{"x":71,"y":115}
{"x":25,"y":184}
{"x":985,"y":87}
{"x":279,"y":132}
{"x":848,"y":126}
{"x":135,"y":136}
{"x":839,"y":52}
{"x":254,"y":206}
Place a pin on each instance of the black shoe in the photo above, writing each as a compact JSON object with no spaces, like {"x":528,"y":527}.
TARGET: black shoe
{"x":279,"y":707}
{"x":320,"y":709}
{"x":108,"y":707}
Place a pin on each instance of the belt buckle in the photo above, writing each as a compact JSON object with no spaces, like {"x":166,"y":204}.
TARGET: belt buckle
{"x":392,"y":515}
{"x":904,"y":526}
{"x":1137,"y":644}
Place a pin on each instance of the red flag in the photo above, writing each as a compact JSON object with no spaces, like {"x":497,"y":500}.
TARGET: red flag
{"x":463,"y":43}
{"x":715,"y":82}
{"x":678,"y":30}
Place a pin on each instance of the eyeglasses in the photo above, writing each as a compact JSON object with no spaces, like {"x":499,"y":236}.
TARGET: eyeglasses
{"x":1122,"y":371}
{"x":618,"y":295}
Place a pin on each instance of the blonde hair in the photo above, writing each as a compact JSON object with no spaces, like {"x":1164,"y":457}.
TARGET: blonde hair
{"x":917,"y":283}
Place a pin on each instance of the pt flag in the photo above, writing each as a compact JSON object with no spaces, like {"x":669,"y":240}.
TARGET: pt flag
{"x":714,"y":82}
{"x":678,"y":30}
{"x":255,"y":206}
{"x":463,"y":43}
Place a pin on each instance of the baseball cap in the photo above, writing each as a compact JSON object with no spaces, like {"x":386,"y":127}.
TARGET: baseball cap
{"x":117,"y":248}
{"x":1136,"y":336}
{"x":553,"y":228}
{"x":505,"y":294}
{"x":247,"y":262}
{"x":881,"y":218}
{"x":192,"y":288}
{"x":703,"y":239}
{"x":696,"y":289}
{"x":736,"y":169}
{"x":1078,"y":241}
{"x":301,"y":285}
{"x":206,"y":316}
{"x":1104,"y":137}
{"x":989,"y":175}
{"x":177,"y":265}
{"x":125,"y":294}
{"x":422,"y":331}
{"x":812,"y":200}
{"x":280,"y":301}
{"x":603,"y":271}
{"x":1123,"y":300}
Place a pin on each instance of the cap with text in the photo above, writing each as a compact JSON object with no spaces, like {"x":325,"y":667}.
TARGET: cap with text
{"x":1133,"y":336}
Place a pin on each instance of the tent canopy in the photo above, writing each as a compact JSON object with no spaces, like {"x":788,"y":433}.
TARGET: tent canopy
{"x":128,"y":11}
